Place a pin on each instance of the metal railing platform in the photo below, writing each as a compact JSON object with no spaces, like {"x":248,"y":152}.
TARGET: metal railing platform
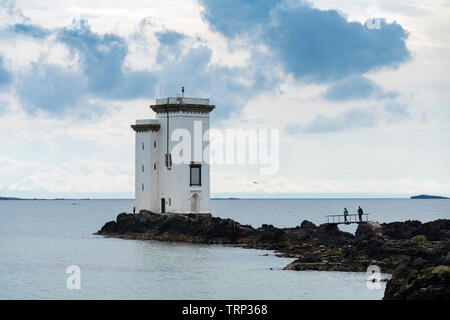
{"x":351,"y":218}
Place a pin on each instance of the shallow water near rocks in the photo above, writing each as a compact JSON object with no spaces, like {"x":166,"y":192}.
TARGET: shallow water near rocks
{"x":40,"y":239}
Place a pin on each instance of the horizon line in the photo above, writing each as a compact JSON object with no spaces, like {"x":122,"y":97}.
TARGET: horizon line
{"x":216,"y":198}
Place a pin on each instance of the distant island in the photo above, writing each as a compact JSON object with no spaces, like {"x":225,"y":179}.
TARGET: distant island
{"x":426,"y":196}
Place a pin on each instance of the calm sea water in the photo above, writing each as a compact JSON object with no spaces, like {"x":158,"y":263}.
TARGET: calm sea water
{"x":40,"y":239}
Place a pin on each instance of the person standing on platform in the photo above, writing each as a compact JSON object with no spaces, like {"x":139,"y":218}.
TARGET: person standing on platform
{"x":360,"y":213}
{"x":345,"y":215}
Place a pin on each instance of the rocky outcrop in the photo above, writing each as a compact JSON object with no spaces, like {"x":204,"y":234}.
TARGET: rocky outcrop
{"x":432,"y":283}
{"x":177,"y":227}
{"x":417,"y":254}
{"x":208,"y":229}
{"x":437,"y":230}
{"x":424,"y":274}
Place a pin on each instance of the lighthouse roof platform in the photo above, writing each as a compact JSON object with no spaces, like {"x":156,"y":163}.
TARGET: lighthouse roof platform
{"x":145,"y":125}
{"x":177,"y":104}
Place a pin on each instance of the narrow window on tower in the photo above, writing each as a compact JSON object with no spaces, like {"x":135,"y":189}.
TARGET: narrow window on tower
{"x":142,"y":146}
{"x":142,"y":168}
{"x":142,"y":187}
{"x":154,"y":144}
{"x":196,"y":175}
{"x":154,"y":166}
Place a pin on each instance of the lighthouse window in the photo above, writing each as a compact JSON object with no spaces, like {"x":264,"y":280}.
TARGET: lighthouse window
{"x":142,"y":146}
{"x":154,"y":166}
{"x":196,"y":175}
{"x":142,"y":187}
{"x":154,"y":144}
{"x":142,"y":168}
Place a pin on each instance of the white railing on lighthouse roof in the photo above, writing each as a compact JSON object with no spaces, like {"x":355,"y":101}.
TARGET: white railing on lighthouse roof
{"x":182,"y":100}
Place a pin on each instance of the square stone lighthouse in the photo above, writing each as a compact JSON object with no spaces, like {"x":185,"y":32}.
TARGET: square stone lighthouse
{"x":164,"y":184}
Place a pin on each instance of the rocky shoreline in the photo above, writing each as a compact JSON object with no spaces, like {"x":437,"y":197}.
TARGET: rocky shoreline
{"x":416,"y":254}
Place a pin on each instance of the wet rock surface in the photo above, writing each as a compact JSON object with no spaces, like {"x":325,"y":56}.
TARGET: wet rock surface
{"x":408,"y":283}
{"x":417,"y":254}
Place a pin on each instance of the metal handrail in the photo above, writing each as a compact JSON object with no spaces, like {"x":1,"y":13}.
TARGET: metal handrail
{"x":349,"y":217}
{"x":350,"y":214}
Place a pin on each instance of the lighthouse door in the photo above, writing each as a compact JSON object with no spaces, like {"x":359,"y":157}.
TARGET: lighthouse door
{"x":194,"y":203}
{"x":163,"y":205}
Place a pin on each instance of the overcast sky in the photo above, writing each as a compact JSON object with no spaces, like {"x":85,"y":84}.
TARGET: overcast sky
{"x":363,"y":109}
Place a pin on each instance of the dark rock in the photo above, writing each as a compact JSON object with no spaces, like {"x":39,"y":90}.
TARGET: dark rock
{"x":419,"y":263}
{"x":199,"y":228}
{"x":368,"y":231}
{"x":437,"y":230}
{"x":330,"y":234}
{"x":402,"y":269}
{"x":310,"y":258}
{"x":109,"y":227}
{"x":446,"y":259}
{"x":401,"y":230}
{"x":300,"y":235}
{"x":269,"y":233}
{"x":430,"y":284}
{"x":308,"y":225}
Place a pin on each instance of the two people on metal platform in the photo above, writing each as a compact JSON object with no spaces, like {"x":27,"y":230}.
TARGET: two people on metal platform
{"x":360,"y":214}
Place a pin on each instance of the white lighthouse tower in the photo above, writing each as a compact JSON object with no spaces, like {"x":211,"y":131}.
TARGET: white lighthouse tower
{"x":163,"y":185}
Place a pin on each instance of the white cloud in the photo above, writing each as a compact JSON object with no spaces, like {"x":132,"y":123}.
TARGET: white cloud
{"x":78,"y":176}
